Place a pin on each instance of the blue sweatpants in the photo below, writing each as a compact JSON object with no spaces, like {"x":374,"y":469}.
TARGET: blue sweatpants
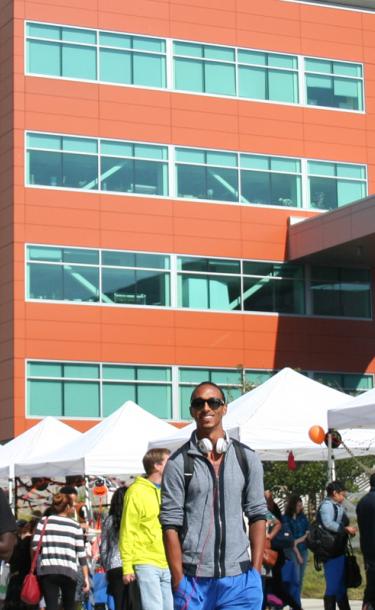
{"x":242,"y":592}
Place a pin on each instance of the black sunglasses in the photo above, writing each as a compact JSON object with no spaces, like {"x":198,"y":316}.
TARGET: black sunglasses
{"x":213,"y":403}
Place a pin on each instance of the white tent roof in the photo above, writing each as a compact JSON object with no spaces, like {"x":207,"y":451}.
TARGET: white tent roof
{"x":115,"y":446}
{"x":275,"y":418}
{"x":49,"y":434}
{"x":359,"y":412}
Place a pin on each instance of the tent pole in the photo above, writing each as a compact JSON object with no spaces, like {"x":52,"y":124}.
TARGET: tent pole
{"x":15,"y":497}
{"x":88,"y":498}
{"x":10,"y":491}
{"x":330,"y":459}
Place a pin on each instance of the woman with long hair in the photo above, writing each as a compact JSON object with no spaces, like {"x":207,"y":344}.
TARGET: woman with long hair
{"x":298,"y":524}
{"x":61,"y":554}
{"x":109,"y":551}
{"x":275,"y":585}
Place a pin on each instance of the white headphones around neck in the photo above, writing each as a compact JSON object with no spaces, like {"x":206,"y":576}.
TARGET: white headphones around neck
{"x":205,"y":446}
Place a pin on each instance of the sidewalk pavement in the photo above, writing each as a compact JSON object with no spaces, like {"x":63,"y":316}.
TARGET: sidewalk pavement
{"x":317,"y":604}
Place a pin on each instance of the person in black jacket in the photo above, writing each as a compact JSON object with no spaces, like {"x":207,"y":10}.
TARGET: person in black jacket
{"x":366,"y":525}
{"x":8,"y":529}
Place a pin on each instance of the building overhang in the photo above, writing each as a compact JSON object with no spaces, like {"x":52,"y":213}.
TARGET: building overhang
{"x":343,"y":237}
{"x":367,"y":5}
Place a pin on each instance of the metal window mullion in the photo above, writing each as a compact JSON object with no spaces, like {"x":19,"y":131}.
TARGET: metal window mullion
{"x":100,"y":268}
{"x":173,"y":281}
{"x":176,"y":411}
{"x":99,"y":164}
{"x":236,"y":73}
{"x":304,"y":184}
{"x":61,"y":57}
{"x":308,"y":293}
{"x":101,"y":410}
{"x":98,"y":71}
{"x":242,"y":286}
{"x":169,"y":63}
{"x":302,"y":84}
{"x":172,"y":167}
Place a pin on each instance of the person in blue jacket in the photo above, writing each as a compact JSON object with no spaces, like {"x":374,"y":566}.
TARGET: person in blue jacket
{"x":333,"y":517}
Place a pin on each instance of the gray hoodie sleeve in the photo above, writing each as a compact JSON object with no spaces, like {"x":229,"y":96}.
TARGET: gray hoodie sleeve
{"x":255,"y":507}
{"x":173,"y":494}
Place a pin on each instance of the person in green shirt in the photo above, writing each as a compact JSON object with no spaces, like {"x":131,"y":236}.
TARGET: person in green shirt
{"x":141,"y":541}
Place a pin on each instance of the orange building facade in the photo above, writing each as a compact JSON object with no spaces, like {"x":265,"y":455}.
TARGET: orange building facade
{"x":153,"y":156}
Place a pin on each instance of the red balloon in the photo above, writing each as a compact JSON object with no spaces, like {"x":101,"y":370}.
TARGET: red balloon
{"x":317,"y":434}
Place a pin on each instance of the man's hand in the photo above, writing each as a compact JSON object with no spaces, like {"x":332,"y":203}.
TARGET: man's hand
{"x":128,"y":578}
{"x":176,"y":579}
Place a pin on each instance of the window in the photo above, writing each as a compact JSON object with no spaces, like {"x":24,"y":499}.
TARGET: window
{"x":204,"y":68}
{"x":204,"y":174}
{"x":120,"y":277}
{"x":332,"y":185}
{"x":351,"y":383}
{"x":273,"y":287}
{"x":270,"y":180}
{"x":99,"y":165}
{"x":340,"y":292}
{"x":268,"y":76}
{"x":134,"y":168}
{"x":230,"y":285}
{"x":62,"y":161}
{"x":134,"y":60}
{"x":135,"y":278}
{"x":334,"y":84}
{"x":67,"y":389}
{"x":209,"y":284}
{"x":77,"y":53}
{"x":112,"y":277}
{"x":93,"y":389}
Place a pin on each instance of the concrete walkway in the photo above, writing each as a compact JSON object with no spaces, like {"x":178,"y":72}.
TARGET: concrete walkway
{"x":317,"y":604}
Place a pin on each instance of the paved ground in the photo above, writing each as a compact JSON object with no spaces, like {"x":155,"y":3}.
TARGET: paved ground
{"x":317,"y":604}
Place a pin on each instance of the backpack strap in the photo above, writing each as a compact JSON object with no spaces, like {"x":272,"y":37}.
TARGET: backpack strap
{"x":188,"y":465}
{"x":242,"y":459}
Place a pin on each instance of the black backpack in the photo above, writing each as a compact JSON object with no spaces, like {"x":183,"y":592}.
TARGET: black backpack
{"x":324,"y":543}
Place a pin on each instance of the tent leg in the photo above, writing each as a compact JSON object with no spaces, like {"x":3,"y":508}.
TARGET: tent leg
{"x":15,"y":498}
{"x":331,"y":474}
{"x":10,"y":491}
{"x":88,"y":498}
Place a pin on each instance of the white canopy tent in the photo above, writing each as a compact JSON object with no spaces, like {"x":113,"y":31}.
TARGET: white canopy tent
{"x":47,"y":435}
{"x":115,"y":446}
{"x":359,"y":412}
{"x":275,"y":418}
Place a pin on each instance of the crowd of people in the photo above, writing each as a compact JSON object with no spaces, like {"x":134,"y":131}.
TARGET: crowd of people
{"x":176,"y":539}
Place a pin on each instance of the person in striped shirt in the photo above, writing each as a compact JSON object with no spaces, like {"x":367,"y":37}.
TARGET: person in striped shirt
{"x":61,"y":554}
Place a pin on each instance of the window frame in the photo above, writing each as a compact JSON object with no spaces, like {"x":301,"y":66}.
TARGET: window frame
{"x":170,"y":164}
{"x":175,"y":272}
{"x":174,"y":383}
{"x":169,"y":75}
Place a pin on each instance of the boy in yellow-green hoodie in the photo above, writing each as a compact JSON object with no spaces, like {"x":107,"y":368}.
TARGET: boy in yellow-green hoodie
{"x":141,"y":541}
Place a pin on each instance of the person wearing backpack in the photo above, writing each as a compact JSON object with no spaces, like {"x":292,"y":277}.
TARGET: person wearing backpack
{"x":208,"y":484}
{"x":333,"y":518}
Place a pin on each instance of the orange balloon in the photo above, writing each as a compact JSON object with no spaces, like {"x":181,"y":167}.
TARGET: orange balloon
{"x":317,"y":434}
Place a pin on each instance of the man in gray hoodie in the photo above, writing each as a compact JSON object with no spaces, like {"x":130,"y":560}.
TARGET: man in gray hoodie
{"x":208,"y":485}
